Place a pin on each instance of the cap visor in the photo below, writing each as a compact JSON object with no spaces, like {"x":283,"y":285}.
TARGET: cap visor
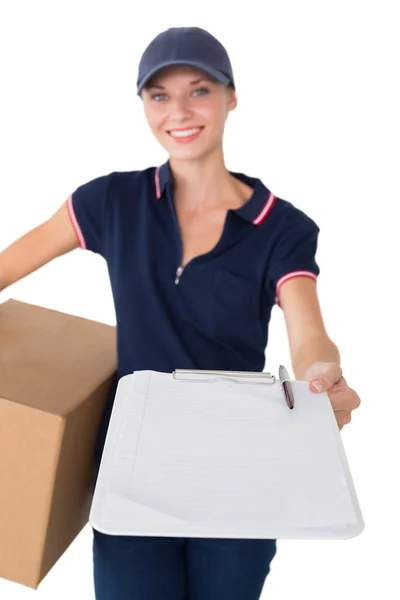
{"x":213,"y":73}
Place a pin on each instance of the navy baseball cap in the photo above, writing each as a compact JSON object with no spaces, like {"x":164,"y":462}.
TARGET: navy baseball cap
{"x":190,"y":46}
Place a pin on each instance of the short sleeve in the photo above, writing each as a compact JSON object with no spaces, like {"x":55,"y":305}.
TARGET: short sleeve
{"x":294,"y":254}
{"x":87,"y":207}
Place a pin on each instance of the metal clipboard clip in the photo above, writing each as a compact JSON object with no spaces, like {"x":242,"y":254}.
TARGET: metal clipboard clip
{"x":235,"y":376}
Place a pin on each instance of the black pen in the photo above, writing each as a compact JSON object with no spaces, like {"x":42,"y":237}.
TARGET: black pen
{"x":287,"y":386}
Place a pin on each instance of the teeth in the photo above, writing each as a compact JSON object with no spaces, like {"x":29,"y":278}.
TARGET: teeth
{"x":185,"y":133}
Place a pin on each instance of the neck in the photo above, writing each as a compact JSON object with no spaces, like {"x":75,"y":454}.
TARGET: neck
{"x":203,"y":183}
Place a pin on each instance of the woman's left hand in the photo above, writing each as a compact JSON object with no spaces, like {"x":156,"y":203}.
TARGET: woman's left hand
{"x":343,"y":399}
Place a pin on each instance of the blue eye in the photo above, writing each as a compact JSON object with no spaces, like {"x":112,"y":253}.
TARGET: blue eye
{"x":206,"y":90}
{"x":197,"y":92}
{"x":157,"y":96}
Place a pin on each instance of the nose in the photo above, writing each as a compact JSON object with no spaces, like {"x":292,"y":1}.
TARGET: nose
{"x":180,"y":110}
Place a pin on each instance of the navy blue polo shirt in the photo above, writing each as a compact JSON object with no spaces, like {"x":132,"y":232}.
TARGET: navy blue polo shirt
{"x":213,"y":315}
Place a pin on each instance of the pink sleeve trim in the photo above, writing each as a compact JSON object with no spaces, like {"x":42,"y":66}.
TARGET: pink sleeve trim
{"x":291,"y":276}
{"x":75,"y":223}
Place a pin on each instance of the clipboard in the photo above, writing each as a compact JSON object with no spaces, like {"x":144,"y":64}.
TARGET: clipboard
{"x":224,"y":458}
{"x":247,"y":377}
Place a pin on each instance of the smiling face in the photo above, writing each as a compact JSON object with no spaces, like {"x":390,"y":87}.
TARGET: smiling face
{"x":187,"y":110}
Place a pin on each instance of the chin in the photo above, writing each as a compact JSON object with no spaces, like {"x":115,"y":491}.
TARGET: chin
{"x":189,"y":152}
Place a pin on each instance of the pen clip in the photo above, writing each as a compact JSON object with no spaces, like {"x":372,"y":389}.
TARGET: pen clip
{"x":287,"y":386}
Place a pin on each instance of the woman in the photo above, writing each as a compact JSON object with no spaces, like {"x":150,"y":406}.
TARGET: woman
{"x":197,"y":258}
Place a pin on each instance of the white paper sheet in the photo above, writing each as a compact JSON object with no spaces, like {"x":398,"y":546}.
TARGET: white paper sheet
{"x":223,"y":459}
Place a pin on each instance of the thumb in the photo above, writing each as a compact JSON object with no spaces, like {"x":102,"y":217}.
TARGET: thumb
{"x":320,"y":376}
{"x":318,"y":385}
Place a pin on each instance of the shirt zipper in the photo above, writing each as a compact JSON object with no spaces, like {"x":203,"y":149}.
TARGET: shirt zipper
{"x":179,"y":272}
{"x":181,"y":268}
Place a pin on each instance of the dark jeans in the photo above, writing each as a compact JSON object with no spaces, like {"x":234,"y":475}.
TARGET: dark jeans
{"x":167,"y":568}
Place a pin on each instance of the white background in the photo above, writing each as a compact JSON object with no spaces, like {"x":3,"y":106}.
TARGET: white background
{"x":318,"y":122}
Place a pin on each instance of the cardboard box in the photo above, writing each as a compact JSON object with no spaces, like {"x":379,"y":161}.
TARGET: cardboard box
{"x":56,"y":371}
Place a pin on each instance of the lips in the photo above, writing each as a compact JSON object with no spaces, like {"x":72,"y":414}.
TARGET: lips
{"x":182,"y":130}
{"x":191,"y":133}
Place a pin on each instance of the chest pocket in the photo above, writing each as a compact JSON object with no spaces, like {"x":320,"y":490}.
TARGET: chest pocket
{"x":235,"y":297}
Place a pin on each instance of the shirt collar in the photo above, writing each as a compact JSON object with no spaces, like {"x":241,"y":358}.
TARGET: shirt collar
{"x":255,"y":210}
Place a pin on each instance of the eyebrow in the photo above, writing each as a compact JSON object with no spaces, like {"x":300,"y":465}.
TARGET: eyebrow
{"x":161,"y":87}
